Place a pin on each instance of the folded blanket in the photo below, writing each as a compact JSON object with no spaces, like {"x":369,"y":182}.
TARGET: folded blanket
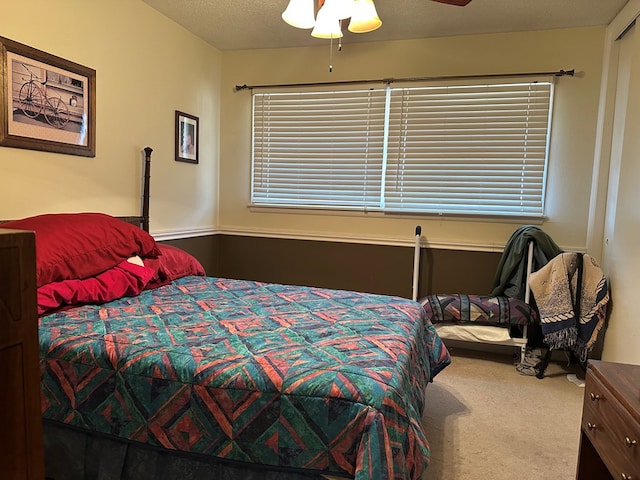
{"x":554,"y":288}
{"x":128,"y":278}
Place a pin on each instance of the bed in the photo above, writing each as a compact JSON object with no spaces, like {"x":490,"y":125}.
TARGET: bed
{"x":506,"y":316}
{"x":151,"y":369}
{"x":485,"y":319}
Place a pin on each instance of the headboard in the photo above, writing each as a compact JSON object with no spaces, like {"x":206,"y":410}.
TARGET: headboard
{"x":141,"y":220}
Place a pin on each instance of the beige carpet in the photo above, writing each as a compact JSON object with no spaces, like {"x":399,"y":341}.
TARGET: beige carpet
{"x":485,"y":421}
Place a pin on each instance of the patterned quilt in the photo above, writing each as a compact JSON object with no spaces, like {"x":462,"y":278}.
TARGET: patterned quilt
{"x":283,"y":376}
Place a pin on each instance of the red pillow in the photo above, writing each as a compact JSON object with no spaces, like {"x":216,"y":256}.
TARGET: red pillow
{"x":124,"y":280}
{"x":81,"y":245}
{"x":171,"y":264}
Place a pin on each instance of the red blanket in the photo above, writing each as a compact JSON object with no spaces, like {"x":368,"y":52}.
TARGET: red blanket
{"x":125,"y":279}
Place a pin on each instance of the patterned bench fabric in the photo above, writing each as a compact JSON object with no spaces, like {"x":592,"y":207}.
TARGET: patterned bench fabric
{"x":315,"y":379}
{"x":477,"y":309}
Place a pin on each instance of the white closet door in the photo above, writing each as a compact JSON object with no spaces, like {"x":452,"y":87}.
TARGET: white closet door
{"x":621,"y":251}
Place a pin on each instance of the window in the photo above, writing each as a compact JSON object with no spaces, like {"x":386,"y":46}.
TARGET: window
{"x":453,"y":149}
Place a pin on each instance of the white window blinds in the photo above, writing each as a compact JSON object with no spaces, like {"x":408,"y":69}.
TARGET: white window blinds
{"x":456,"y":149}
{"x":319,"y":148}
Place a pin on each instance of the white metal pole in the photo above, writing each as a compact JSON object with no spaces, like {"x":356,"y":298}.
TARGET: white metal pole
{"x":527,"y":297}
{"x":527,"y":288}
{"x":416,"y":263}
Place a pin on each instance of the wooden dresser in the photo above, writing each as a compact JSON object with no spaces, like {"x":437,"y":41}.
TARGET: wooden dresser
{"x":21,"y":444}
{"x":610,"y":430}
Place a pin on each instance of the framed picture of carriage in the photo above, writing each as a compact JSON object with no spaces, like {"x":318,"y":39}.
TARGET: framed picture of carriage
{"x":47,"y":102}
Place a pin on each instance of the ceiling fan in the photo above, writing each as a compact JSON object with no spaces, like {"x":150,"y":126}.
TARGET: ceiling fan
{"x":459,"y":3}
{"x":333,"y":15}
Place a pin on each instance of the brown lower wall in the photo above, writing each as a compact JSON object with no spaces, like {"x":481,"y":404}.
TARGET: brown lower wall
{"x":205,"y":249}
{"x":370,"y":268}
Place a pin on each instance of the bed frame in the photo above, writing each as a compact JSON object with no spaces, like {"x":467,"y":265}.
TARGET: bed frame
{"x":143,"y":220}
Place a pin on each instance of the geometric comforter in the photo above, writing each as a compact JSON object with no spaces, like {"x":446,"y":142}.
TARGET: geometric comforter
{"x":284,"y":376}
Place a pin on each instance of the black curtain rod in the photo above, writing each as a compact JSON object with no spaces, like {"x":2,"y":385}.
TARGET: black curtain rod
{"x":559,"y":73}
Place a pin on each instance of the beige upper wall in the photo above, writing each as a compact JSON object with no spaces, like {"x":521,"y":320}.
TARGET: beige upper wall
{"x":572,"y":144}
{"x":146,"y":68}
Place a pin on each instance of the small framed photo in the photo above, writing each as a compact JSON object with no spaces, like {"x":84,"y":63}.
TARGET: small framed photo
{"x":47,"y":103}
{"x":187,"y":138}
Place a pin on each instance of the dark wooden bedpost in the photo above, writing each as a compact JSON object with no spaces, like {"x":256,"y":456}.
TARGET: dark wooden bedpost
{"x":145,"y":194}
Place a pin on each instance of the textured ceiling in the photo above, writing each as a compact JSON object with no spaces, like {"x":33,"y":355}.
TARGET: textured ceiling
{"x":249,"y":24}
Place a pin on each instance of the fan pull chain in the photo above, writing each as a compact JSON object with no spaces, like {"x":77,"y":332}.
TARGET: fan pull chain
{"x":331,"y":55}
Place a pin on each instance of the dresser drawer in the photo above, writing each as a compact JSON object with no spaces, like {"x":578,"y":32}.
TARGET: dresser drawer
{"x":612,"y":431}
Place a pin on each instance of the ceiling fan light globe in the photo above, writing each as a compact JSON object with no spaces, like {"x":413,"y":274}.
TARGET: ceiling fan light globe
{"x":327,"y":25}
{"x":364,"y":17}
{"x":300,"y":14}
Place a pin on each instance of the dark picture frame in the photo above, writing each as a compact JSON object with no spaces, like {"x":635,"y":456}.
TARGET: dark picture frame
{"x":187,"y":138}
{"x":47,"y":103}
